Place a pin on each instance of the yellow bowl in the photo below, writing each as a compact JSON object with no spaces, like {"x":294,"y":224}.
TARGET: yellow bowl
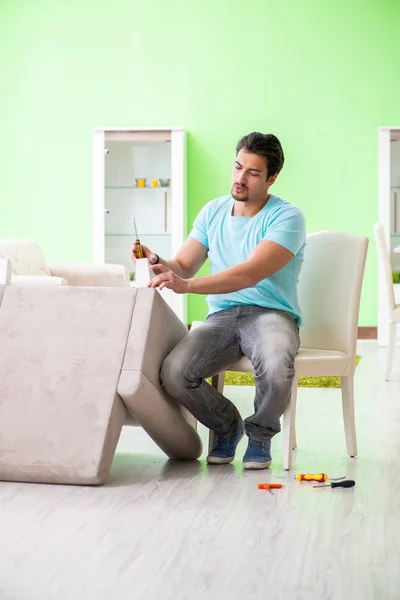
{"x":141,"y":182}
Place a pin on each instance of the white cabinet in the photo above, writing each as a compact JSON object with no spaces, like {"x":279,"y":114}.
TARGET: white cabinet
{"x":141,"y":174}
{"x":395,"y":202}
{"x":395,"y":227}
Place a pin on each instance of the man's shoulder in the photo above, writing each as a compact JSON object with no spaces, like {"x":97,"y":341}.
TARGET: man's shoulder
{"x":283,"y":208}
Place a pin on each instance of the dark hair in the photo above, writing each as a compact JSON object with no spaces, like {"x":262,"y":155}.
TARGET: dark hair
{"x":264,"y":144}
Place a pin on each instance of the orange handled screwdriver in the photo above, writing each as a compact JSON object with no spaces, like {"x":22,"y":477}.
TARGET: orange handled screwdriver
{"x":270,"y":486}
{"x":310,"y":477}
{"x":137,"y":241}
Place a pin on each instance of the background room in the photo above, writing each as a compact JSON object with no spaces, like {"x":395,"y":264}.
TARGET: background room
{"x":324,"y":78}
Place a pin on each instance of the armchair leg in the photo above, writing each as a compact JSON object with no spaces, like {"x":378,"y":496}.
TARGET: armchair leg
{"x":289,"y":432}
{"x":391,"y":349}
{"x":348,"y":415}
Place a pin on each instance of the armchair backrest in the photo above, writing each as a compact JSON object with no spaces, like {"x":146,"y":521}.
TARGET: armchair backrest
{"x":25,"y":257}
{"x":329,"y":290}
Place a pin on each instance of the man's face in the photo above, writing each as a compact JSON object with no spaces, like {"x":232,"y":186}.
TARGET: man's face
{"x":249,"y":177}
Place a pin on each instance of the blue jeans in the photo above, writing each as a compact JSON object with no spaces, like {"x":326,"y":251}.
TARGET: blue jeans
{"x":269,"y":338}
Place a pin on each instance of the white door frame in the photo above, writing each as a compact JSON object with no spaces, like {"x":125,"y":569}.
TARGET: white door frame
{"x":384,"y":218}
{"x":178,"y":195}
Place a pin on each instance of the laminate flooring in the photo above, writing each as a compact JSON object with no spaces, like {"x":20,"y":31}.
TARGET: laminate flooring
{"x":186,"y":531}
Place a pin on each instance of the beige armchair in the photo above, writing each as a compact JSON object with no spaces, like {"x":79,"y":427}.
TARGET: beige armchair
{"x":29,"y":267}
{"x":76,"y":364}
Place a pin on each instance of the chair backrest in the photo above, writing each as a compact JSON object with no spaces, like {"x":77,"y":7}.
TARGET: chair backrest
{"x":329,"y":290}
{"x":384,"y":257}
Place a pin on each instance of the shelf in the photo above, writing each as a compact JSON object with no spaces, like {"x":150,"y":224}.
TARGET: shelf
{"x":135,"y":187}
{"x":132,"y":235}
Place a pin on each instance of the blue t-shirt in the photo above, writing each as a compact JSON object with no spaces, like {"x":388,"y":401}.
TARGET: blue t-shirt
{"x":230,"y":240}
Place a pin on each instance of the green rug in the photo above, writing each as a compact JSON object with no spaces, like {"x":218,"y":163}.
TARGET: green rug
{"x":235,"y":378}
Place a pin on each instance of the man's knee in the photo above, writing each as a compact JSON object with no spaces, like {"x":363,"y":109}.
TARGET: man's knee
{"x":278,"y":367}
{"x":171,"y":375}
{"x":284,"y":369}
{"x":178,"y":374}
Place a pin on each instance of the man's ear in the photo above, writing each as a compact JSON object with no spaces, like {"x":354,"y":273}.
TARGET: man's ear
{"x":272,"y":179}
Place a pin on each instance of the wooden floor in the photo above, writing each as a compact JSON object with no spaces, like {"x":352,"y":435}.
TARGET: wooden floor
{"x":180,"y":531}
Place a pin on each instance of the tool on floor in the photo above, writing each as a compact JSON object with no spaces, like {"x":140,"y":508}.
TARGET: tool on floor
{"x":311,"y":477}
{"x":345,"y":484}
{"x":140,"y":253}
{"x":270,"y":486}
{"x":315,"y":477}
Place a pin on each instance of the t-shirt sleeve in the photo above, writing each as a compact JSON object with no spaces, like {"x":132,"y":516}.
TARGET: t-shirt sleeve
{"x":288,"y":229}
{"x":199,"y":230}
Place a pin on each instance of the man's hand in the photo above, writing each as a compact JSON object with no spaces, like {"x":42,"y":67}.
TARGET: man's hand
{"x":168,"y":279}
{"x":147,"y":253}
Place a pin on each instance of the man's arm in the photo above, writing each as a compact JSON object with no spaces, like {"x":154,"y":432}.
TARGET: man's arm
{"x":267,"y":258}
{"x":190,"y":257}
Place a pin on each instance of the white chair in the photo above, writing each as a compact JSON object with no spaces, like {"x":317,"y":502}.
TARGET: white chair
{"x":393,"y":313}
{"x":329,"y":295}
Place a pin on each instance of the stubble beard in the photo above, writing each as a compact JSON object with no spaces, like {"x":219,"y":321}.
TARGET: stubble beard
{"x":238,"y":198}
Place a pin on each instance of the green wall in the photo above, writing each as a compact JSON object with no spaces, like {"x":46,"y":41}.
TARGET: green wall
{"x":321,"y":75}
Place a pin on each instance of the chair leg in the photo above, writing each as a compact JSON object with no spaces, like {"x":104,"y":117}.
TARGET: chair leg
{"x":218,"y":383}
{"x":391,"y":349}
{"x":289,"y":431}
{"x":348,"y":415}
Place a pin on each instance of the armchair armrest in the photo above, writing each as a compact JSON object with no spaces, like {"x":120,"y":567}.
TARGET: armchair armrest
{"x":23,"y":280}
{"x":88,"y":274}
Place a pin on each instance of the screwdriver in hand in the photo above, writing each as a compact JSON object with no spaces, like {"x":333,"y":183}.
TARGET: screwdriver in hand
{"x":345,"y":484}
{"x":137,"y":241}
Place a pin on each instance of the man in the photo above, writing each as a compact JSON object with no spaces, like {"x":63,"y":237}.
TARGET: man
{"x":255,"y":243}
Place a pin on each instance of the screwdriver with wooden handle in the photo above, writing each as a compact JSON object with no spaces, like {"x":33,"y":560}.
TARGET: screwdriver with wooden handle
{"x":140,"y":253}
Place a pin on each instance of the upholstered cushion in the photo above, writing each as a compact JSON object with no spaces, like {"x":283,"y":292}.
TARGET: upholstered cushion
{"x":308,"y":363}
{"x":25,"y":257}
{"x":61,"y":353}
{"x":91,"y":275}
{"x":69,"y":357}
{"x":155,"y":331}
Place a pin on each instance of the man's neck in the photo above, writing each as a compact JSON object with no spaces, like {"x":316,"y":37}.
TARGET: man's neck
{"x":248,"y":209}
